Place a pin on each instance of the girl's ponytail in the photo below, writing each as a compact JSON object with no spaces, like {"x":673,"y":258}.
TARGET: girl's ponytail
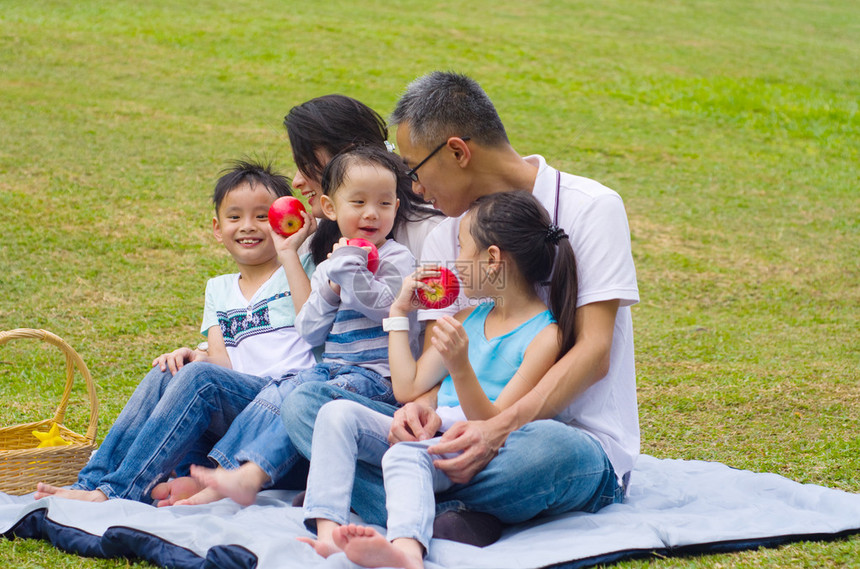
{"x":518,"y":225}
{"x":563,"y":289}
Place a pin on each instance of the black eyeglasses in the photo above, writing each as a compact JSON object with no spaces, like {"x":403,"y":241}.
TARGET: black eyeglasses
{"x":413,"y":172}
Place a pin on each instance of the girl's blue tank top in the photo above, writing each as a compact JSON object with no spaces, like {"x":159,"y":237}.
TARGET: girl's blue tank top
{"x":495,"y":360}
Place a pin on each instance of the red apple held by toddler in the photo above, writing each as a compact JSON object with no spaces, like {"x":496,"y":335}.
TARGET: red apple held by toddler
{"x":445,"y":290}
{"x":285,"y":215}
{"x":372,"y":255}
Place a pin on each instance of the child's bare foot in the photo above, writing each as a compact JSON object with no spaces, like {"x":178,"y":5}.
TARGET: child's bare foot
{"x":241,"y":484}
{"x":368,"y":548}
{"x":170,"y":492}
{"x":324,"y":548}
{"x":44,"y":490}
{"x":205,"y":496}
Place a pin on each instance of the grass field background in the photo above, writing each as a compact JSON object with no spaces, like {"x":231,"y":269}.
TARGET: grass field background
{"x":730,"y":129}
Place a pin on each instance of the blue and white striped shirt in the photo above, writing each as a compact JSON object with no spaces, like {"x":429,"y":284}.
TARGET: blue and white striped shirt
{"x":350,"y":325}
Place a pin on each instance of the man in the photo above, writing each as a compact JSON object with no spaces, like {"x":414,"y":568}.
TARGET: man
{"x":519,"y":464}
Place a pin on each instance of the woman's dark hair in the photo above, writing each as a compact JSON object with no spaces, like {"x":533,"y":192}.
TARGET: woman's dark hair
{"x":251,"y":173}
{"x":334,"y":124}
{"x":335,"y":174}
{"x":518,"y":225}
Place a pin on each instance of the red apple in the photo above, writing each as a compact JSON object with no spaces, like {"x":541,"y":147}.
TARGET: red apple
{"x":372,"y":255}
{"x":285,"y":215}
{"x":445,"y":290}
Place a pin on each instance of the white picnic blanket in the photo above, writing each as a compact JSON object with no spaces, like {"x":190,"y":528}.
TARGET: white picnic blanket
{"x":674,"y":507}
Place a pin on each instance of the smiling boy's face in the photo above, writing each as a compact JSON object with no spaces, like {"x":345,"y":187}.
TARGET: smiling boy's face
{"x":242,"y":224}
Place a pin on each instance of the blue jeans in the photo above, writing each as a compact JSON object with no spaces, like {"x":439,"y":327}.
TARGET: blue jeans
{"x":167,"y":420}
{"x":258,"y":434}
{"x":546,"y":467}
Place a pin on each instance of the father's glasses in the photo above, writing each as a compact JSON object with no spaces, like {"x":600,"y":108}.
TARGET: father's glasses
{"x":413,"y":172}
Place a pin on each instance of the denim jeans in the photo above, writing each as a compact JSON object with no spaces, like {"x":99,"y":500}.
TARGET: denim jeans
{"x":544,"y":468}
{"x":166,"y":420}
{"x":258,"y":434}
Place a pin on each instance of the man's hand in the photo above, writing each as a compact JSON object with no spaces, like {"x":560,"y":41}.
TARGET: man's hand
{"x":414,"y":422}
{"x":475,"y":444}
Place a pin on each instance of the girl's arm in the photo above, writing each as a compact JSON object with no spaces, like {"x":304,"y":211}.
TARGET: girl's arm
{"x":365,"y":292}
{"x":451,"y":341}
{"x":411,"y":379}
{"x":288,"y":255}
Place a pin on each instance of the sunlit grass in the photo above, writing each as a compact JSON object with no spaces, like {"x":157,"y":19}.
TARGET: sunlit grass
{"x":730,"y":128}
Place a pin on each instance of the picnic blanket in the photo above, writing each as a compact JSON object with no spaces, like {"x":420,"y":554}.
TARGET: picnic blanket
{"x":674,"y":507}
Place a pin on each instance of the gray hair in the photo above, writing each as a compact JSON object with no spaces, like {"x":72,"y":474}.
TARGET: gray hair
{"x":445,"y":104}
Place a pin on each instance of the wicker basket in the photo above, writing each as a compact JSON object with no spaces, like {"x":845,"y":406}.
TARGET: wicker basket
{"x":22,"y":465}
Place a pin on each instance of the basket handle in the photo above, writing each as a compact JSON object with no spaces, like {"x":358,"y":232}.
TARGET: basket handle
{"x":73,"y":360}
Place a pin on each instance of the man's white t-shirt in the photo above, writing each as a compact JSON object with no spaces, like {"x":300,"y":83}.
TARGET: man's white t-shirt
{"x":594,"y":218}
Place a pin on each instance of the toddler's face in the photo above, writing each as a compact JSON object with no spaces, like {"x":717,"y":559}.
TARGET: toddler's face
{"x":365,"y":204}
{"x":242,"y":224}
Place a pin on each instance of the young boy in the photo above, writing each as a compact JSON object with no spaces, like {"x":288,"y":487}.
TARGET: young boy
{"x":248,"y":321}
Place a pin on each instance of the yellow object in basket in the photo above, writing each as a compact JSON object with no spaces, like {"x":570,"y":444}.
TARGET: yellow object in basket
{"x":51,"y":439}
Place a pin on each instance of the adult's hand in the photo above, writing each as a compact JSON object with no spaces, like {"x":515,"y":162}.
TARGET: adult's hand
{"x":174,"y":360}
{"x":475,"y":444}
{"x":414,"y":422}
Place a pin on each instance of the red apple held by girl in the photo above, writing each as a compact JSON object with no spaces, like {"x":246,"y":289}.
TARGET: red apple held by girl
{"x":285,"y":215}
{"x":372,"y":255}
{"x":445,"y":290}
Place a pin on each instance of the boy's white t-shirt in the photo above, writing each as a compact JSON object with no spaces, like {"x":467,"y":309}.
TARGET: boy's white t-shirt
{"x":260,"y":335}
{"x":594,"y":218}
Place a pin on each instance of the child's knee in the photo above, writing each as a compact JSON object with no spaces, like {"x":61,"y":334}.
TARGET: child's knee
{"x":407,"y":454}
{"x":341,"y":414}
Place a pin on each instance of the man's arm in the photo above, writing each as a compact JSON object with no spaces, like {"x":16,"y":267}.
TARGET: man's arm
{"x":580,"y":368}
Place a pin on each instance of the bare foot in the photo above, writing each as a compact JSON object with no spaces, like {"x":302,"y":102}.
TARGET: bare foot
{"x":205,"y":496}
{"x":241,"y":484}
{"x":324,"y":548}
{"x":44,"y":490}
{"x":170,"y":492}
{"x":367,"y":547}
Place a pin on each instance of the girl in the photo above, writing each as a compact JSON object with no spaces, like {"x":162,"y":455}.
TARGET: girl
{"x":507,"y":247}
{"x":344,"y":311}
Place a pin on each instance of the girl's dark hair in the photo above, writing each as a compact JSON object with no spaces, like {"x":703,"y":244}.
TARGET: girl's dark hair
{"x":334,"y":124}
{"x":252,"y":173}
{"x":518,"y":225}
{"x":335,"y":174}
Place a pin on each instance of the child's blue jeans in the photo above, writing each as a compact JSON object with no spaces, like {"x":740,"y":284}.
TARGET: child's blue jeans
{"x":258,"y":434}
{"x":172,"y":421}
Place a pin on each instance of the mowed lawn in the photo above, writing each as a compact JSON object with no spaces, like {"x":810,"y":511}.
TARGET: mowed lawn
{"x":730,"y":129}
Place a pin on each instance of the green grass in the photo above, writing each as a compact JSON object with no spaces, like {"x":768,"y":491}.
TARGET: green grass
{"x":730,"y":128}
